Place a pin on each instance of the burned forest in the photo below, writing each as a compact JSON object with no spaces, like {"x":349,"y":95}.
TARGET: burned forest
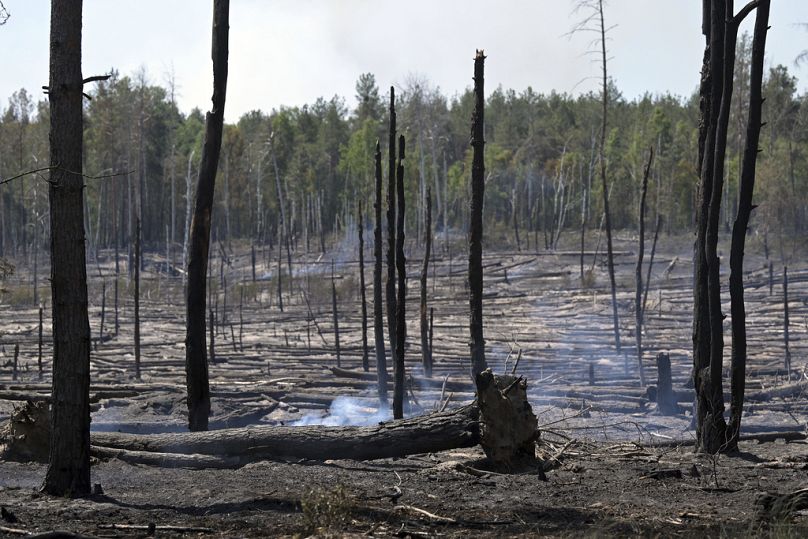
{"x":428,"y":306}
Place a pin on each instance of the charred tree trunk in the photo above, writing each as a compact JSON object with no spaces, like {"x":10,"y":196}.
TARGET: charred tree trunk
{"x":424,"y":434}
{"x":196,"y":365}
{"x":426,"y":350}
{"x":137,"y":298}
{"x":606,"y":214}
{"x":712,"y":28}
{"x":477,"y":343}
{"x":638,"y":312}
{"x":69,"y":457}
{"x":399,"y":395}
{"x":716,"y":94}
{"x":739,"y":228}
{"x":283,"y":223}
{"x":39,"y":349}
{"x":665,"y":397}
{"x":786,"y":323}
{"x":365,"y":360}
{"x":391,"y":229}
{"x":378,"y":324}
{"x":651,"y":262}
{"x":335,"y":313}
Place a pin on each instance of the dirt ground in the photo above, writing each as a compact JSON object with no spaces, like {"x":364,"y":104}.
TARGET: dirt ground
{"x":612,"y":465}
{"x":597,"y":489}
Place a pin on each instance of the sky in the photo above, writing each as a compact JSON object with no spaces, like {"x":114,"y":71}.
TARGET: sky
{"x":289,"y":52}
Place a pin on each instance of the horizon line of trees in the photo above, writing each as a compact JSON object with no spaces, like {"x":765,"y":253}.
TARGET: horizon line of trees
{"x":541,"y":157}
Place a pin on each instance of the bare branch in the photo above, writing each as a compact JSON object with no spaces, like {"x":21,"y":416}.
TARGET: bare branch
{"x":741,"y":15}
{"x":36,"y":172}
{"x":96,"y":78}
{"x":4,"y":14}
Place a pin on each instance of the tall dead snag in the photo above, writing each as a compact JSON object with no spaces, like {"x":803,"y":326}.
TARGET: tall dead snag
{"x":647,"y":283}
{"x":426,"y":350}
{"x":785,"y":322}
{"x":399,"y":396}
{"x":335,"y":313}
{"x":391,"y":228}
{"x":69,"y":457}
{"x":739,"y":228}
{"x":196,"y":365}
{"x":360,"y":218}
{"x":638,"y":314}
{"x":708,"y":105}
{"x":137,"y":297}
{"x":602,"y":157}
{"x":378,"y":324}
{"x":720,"y":25}
{"x":477,"y":343}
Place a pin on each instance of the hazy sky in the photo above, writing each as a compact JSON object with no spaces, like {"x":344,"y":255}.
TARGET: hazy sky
{"x":289,"y":52}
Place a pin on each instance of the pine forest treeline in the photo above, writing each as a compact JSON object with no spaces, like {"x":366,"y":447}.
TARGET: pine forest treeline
{"x":320,"y":157}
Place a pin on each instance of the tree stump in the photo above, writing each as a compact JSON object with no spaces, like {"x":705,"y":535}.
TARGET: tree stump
{"x":26,"y":436}
{"x":508,"y":426}
{"x":665,"y":396}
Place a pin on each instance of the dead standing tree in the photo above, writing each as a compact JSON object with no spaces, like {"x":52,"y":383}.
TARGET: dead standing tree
{"x":426,"y":348}
{"x":638,"y":305}
{"x":69,"y":457}
{"x":477,"y":343}
{"x":378,"y":323}
{"x":720,"y":26}
{"x":391,"y":228}
{"x":508,"y":427}
{"x":196,"y":366}
{"x":362,"y":291}
{"x":595,"y":22}
{"x":739,"y":228}
{"x":399,"y":396}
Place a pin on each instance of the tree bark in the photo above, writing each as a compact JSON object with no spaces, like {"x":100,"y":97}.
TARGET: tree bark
{"x":69,"y":457}
{"x":477,"y":342}
{"x":602,"y":149}
{"x":391,"y":229}
{"x":426,"y":350}
{"x":424,"y":434}
{"x":335,"y":313}
{"x":137,"y":298}
{"x":638,"y":312}
{"x":196,"y":366}
{"x":739,"y":228}
{"x":399,"y":395}
{"x":378,"y":324}
{"x":360,"y":217}
{"x":647,"y":283}
{"x":709,"y":402}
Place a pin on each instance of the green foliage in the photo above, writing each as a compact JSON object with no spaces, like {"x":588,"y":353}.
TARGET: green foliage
{"x":541,"y":160}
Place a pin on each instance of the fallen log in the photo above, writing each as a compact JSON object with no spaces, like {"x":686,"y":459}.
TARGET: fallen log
{"x":425,"y":434}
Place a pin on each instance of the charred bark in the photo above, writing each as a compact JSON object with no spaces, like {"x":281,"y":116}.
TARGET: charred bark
{"x":425,"y":434}
{"x":739,"y":228}
{"x":606,"y":214}
{"x":137,"y":297}
{"x":477,"y":342}
{"x":196,"y":366}
{"x":426,"y":348}
{"x":638,"y":307}
{"x":360,"y":217}
{"x":378,"y":324}
{"x":335,"y":313}
{"x":69,"y":456}
{"x":399,"y":395}
{"x":391,"y":228}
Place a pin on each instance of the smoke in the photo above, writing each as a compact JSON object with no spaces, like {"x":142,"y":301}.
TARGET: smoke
{"x":345,"y":411}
